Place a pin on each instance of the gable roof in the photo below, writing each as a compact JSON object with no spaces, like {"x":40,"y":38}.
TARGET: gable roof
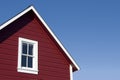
{"x":73,"y":63}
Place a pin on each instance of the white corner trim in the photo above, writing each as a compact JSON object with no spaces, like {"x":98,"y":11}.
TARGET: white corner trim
{"x":47,"y":27}
{"x":71,"y":72}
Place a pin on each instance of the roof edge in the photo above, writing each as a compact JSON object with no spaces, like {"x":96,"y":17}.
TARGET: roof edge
{"x":47,"y":27}
{"x":16,"y":17}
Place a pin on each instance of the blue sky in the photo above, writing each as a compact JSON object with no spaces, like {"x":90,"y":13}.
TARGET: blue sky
{"x":89,"y":29}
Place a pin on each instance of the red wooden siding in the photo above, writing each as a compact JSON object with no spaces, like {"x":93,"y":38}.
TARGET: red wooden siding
{"x":52,"y":63}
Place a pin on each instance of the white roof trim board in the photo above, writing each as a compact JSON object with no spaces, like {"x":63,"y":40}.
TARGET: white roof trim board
{"x":40,"y":18}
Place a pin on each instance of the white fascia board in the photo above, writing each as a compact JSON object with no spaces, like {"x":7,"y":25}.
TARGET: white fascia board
{"x":41,"y":19}
{"x":14,"y":18}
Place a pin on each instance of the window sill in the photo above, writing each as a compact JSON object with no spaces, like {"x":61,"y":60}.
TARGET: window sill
{"x":30,"y":71}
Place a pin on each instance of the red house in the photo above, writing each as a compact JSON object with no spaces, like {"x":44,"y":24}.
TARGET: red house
{"x":29,"y":50}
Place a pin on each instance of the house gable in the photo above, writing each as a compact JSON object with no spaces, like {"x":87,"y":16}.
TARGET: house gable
{"x":32,"y":11}
{"x":51,"y":62}
{"x":40,"y":20}
{"x":52,"y":56}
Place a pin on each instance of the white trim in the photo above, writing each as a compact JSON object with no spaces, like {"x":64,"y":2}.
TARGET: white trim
{"x":71,"y":72}
{"x":33,"y":70}
{"x":27,"y":71}
{"x":40,"y":18}
{"x":14,"y":18}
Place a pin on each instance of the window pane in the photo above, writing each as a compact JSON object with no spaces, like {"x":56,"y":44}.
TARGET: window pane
{"x":30,"y":62}
{"x":30,"y":49}
{"x":23,"y":63}
{"x":24,"y":48}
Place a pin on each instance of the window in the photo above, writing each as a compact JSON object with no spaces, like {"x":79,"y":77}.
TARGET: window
{"x":28,"y":56}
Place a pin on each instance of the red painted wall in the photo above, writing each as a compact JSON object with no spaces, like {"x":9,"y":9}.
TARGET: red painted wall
{"x":52,"y":63}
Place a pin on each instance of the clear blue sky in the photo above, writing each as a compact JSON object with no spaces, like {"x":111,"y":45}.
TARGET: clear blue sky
{"x":89,"y":29}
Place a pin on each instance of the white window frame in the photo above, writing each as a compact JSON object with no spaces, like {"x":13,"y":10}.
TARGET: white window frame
{"x":34,"y":69}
